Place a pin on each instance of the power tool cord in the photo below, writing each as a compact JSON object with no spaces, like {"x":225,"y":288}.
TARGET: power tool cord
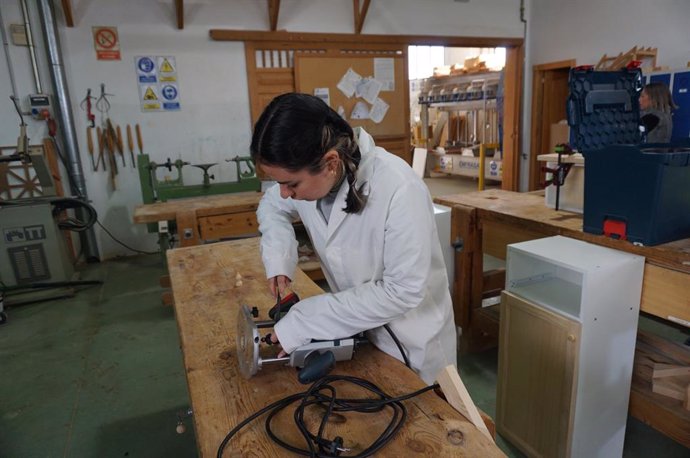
{"x":323,"y":393}
{"x":400,"y":347}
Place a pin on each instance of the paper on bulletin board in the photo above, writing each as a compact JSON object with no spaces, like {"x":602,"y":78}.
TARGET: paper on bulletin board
{"x":368,"y":89}
{"x":360,"y":111}
{"x":348,"y":83}
{"x":378,"y":111}
{"x":341,"y":112}
{"x":384,"y":72}
{"x":324,"y":94}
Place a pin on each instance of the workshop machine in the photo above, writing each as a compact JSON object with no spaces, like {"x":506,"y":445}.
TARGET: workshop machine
{"x":314,"y":359}
{"x":155,"y":189}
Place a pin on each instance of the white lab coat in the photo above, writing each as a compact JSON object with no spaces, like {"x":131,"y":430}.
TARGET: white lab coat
{"x":384,"y":265}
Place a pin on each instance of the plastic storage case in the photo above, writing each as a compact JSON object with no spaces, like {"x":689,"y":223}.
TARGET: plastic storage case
{"x":636,"y":192}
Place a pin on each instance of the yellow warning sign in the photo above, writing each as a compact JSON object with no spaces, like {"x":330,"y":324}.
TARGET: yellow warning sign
{"x":166,"y":67}
{"x":149,"y":94}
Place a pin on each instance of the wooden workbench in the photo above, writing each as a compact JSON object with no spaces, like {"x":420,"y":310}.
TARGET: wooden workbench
{"x":487,"y":221}
{"x":206,"y":307}
{"x":205,"y":218}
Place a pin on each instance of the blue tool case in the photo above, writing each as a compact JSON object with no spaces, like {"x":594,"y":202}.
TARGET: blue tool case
{"x":633,"y":191}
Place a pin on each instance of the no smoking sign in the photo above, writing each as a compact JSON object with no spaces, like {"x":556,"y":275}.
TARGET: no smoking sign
{"x":106,"y":43}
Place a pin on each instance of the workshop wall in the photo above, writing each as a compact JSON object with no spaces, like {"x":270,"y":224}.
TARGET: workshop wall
{"x":587,"y":29}
{"x":214,"y":121}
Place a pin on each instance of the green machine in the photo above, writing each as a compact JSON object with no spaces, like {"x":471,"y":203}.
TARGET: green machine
{"x":154,"y":189}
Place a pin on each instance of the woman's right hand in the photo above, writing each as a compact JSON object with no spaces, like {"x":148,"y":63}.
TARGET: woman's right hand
{"x":279,"y":284}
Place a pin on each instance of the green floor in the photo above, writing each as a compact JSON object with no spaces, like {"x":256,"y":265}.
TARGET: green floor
{"x":100,"y":375}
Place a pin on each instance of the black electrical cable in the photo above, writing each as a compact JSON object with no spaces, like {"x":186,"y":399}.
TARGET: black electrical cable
{"x":73,"y":224}
{"x":397,"y":342}
{"x":318,"y":446}
{"x":123,"y":243}
{"x":49,"y":285}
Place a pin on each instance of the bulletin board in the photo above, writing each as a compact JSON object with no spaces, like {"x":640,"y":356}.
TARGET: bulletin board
{"x":314,"y":72}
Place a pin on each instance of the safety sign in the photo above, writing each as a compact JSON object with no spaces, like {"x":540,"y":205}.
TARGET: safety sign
{"x":158,"y":86}
{"x":106,"y":43}
{"x":170,"y":97}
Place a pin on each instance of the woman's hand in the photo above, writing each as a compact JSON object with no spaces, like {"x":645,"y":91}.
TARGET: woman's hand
{"x":279,"y":284}
{"x":275,"y":341}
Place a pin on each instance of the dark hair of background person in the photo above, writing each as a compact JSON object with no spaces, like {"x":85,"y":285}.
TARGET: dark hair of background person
{"x":295,"y":131}
{"x":660,"y":96}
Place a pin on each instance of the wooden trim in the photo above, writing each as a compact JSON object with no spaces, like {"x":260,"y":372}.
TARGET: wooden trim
{"x":512,"y":104}
{"x":536,"y":132}
{"x":250,"y":59}
{"x":179,"y":11}
{"x":298,"y":37}
{"x":568,"y":63}
{"x":273,"y":12}
{"x":67,"y":10}
{"x":360,"y":14}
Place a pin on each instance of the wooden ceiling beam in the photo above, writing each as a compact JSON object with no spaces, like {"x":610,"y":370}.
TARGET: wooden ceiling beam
{"x":179,"y":11}
{"x":308,"y":37}
{"x":360,"y":14}
{"x":67,"y":9}
{"x":273,"y":11}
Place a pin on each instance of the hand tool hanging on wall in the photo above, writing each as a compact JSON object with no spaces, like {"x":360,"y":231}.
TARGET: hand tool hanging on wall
{"x":110,"y":146}
{"x":99,"y":138}
{"x":140,"y":143}
{"x":130,"y":145}
{"x":89,"y":144}
{"x":86,"y":105}
{"x":120,"y":145}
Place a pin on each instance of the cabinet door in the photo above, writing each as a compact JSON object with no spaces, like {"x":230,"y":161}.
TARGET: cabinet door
{"x":537,"y":376}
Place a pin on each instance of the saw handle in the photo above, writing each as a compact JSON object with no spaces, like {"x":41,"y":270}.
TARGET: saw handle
{"x":316,"y":366}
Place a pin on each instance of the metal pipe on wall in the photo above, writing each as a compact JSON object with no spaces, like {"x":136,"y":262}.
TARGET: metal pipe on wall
{"x":32,"y":50}
{"x":7,"y":55}
{"x":66,"y":119}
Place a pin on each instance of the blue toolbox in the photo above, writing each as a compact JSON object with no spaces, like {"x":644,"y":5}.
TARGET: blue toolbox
{"x":637,"y":192}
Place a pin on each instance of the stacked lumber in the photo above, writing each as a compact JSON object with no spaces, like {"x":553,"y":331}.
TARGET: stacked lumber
{"x":645,"y":56}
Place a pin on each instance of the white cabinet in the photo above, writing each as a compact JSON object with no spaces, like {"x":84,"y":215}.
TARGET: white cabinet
{"x":567,"y":342}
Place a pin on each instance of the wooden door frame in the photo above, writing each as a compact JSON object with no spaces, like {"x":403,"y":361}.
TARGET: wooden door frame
{"x":536,"y":132}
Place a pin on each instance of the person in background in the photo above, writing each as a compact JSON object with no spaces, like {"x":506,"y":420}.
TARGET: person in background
{"x":656,"y":105}
{"x":371,"y":221}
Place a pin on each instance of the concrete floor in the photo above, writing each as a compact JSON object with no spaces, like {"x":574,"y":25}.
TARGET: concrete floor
{"x":101,"y":375}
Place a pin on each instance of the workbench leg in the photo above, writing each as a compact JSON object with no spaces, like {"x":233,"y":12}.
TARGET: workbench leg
{"x":188,"y":228}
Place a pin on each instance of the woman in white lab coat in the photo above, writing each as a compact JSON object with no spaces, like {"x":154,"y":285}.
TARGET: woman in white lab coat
{"x":371,"y":221}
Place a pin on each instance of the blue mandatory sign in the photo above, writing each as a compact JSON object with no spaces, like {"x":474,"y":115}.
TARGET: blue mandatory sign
{"x":169,"y":92}
{"x":146,"y":65}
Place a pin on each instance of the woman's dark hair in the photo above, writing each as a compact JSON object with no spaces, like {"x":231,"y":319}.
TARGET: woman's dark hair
{"x":295,"y":131}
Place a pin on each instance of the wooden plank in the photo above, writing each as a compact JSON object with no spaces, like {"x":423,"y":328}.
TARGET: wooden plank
{"x":228,"y":225}
{"x":206,"y":306}
{"x":179,"y":12}
{"x":203,"y":206}
{"x":671,"y":387}
{"x":669,"y":370}
{"x":457,"y":395}
{"x":67,"y":10}
{"x":660,"y":412}
{"x":512,"y":106}
{"x":360,"y":14}
{"x":429,"y":40}
{"x":273,"y":12}
{"x":463,"y":230}
{"x":666,"y":294}
{"x":529,"y":212}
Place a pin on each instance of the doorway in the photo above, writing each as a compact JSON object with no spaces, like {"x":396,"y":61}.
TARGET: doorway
{"x":549,"y":98}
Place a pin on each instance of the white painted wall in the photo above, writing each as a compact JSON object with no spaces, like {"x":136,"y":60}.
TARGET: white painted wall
{"x":214,"y":122}
{"x":587,"y":29}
